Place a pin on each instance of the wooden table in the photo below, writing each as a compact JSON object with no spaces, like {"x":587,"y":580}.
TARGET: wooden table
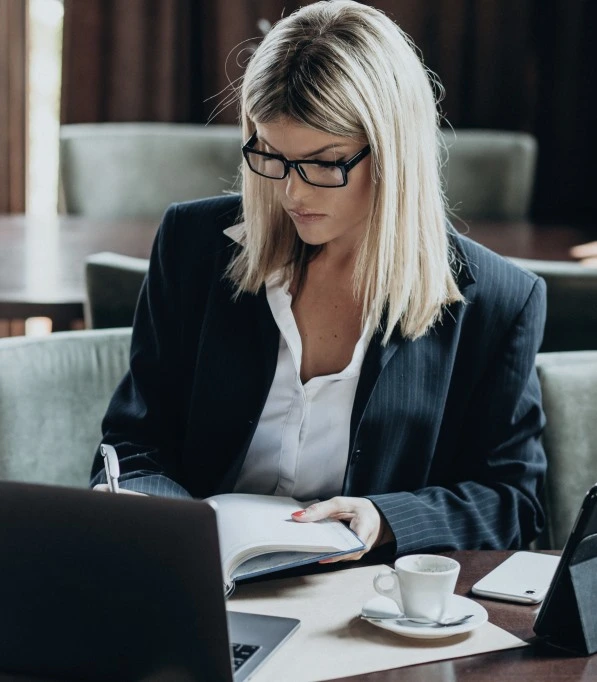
{"x":521,"y":239}
{"x":527,"y":664}
{"x":42,"y":260}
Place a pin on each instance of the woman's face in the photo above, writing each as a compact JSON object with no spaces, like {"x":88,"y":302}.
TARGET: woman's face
{"x":322,"y":215}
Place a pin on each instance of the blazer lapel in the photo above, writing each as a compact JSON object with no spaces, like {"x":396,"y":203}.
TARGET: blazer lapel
{"x":258,"y":315}
{"x":376,"y":358}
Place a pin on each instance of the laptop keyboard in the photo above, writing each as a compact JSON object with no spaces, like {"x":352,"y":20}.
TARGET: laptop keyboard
{"x":241,"y":653}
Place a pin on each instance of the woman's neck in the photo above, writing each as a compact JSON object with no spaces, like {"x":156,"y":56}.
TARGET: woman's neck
{"x":334,"y":259}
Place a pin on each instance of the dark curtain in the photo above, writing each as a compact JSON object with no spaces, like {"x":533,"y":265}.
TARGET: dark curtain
{"x":510,"y":64}
{"x":13,"y":109}
{"x":127,"y":61}
{"x":566,"y":115}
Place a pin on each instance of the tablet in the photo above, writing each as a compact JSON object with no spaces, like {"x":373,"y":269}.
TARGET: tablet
{"x":566,"y":617}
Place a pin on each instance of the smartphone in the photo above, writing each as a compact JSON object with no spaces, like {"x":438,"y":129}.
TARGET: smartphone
{"x":523,"y":577}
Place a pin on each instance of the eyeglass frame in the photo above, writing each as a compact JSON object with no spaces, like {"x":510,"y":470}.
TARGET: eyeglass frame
{"x":344,"y":166}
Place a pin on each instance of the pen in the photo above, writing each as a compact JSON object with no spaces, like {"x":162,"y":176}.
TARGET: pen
{"x":111,"y":466}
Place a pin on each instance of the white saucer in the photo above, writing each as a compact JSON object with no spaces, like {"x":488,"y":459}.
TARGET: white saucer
{"x":459,"y":606}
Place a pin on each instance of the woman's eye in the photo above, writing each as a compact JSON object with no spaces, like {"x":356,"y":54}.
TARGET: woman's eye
{"x":326,"y":170}
{"x":329,"y":161}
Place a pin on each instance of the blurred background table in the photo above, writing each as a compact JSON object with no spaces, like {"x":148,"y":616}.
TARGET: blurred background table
{"x":42,"y":259}
{"x":523,"y":239}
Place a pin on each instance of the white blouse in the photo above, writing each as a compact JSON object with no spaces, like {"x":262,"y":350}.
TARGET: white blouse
{"x":300,"y":446}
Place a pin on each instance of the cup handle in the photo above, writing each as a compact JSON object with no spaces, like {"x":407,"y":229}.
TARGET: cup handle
{"x":392,"y":592}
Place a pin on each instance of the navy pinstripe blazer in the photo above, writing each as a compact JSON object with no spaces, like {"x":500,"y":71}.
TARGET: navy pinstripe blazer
{"x":444,"y":434}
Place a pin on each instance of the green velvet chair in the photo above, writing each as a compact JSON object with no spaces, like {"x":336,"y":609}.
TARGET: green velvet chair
{"x":489,"y":174}
{"x":120,"y":170}
{"x":569,"y":386}
{"x":54,"y":391}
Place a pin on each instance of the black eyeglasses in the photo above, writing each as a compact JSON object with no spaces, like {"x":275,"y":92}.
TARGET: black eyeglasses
{"x":318,"y":173}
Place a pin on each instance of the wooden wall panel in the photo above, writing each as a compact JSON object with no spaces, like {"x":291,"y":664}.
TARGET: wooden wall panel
{"x":13,"y":104}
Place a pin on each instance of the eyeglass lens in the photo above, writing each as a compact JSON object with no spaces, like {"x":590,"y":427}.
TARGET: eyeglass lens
{"x":328,"y":176}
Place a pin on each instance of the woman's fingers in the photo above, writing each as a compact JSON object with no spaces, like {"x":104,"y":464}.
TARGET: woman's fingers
{"x":364,"y":519}
{"x":324,"y":510}
{"x":103,"y":488}
{"x":588,"y":250}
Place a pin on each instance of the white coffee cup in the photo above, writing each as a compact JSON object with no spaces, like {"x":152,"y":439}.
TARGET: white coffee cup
{"x":421,"y":585}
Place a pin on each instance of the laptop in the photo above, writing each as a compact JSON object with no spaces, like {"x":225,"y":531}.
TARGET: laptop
{"x":98,"y":586}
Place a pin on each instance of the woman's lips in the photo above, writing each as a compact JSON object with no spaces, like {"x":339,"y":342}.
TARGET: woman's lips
{"x":304,"y":217}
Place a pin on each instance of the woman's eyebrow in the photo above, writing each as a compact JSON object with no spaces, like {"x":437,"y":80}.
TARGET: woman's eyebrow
{"x":335,"y":145}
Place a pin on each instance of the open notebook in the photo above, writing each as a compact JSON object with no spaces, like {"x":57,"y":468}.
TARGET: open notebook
{"x":258,"y":536}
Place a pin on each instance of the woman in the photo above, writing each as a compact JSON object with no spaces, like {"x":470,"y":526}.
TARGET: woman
{"x":333,"y":337}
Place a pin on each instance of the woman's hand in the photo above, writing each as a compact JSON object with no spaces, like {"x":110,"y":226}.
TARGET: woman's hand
{"x":587,"y":253}
{"x":103,"y":488}
{"x":364,"y":519}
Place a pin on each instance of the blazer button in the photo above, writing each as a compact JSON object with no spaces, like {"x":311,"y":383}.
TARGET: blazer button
{"x":356,"y":456}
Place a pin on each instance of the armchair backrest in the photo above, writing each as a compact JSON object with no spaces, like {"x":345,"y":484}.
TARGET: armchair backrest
{"x":116,"y":170}
{"x":569,"y":386}
{"x":54,"y":391}
{"x":489,"y":173}
{"x":571,"y":322}
{"x":112,"y":283}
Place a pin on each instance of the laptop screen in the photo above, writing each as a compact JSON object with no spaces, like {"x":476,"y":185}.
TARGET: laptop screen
{"x":99,"y":586}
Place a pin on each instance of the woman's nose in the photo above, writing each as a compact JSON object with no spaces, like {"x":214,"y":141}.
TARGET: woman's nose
{"x":296,"y":187}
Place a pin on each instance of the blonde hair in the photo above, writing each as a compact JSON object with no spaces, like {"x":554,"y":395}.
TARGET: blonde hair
{"x":346,"y":69}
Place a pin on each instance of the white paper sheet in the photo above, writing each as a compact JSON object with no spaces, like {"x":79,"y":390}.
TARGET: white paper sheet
{"x":333,"y":641}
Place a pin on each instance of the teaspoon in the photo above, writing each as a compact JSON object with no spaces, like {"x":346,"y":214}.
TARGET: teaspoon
{"x":445,"y":622}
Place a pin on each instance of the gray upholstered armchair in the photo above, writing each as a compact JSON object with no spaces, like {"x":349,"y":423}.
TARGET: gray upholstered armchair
{"x":54,"y":391}
{"x":569,"y":386}
{"x":112,"y":283}
{"x":116,"y":170}
{"x":489,"y":173}
{"x":571,"y":322}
